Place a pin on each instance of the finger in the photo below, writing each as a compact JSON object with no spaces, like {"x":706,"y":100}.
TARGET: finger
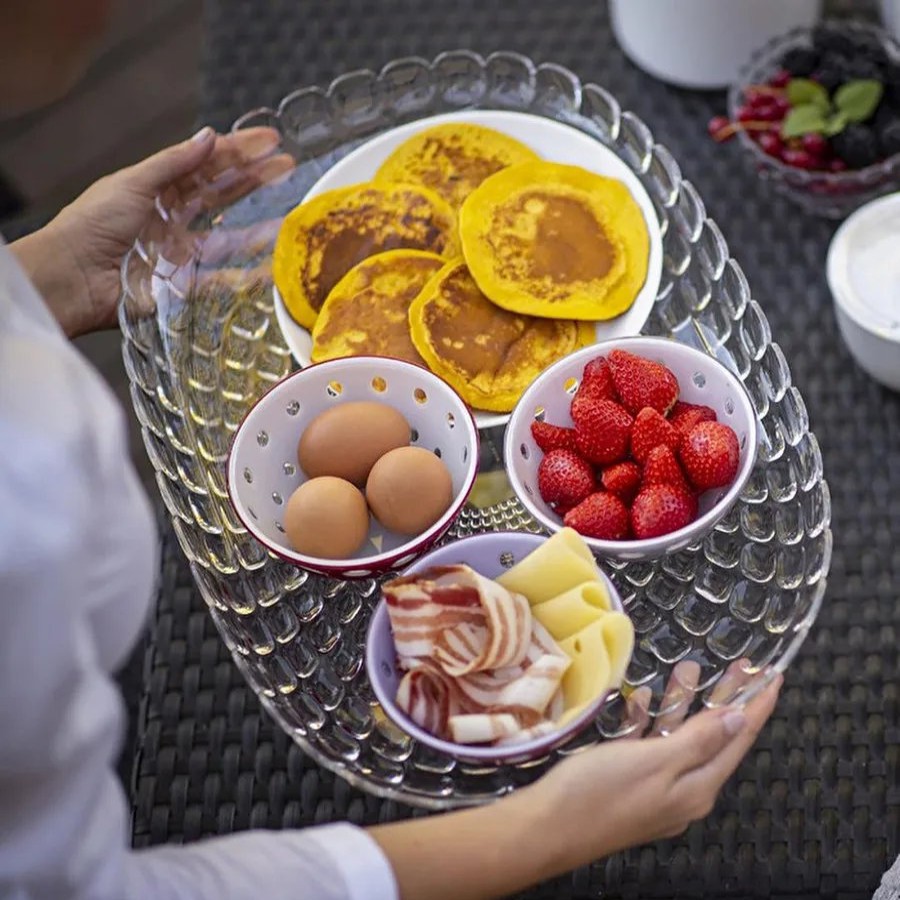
{"x":719,"y":768}
{"x":150,"y":176}
{"x":636,"y":714}
{"x":704,"y":737}
{"x":233,"y":152}
{"x":733,"y":679}
{"x":230,"y":186}
{"x":680,"y":693}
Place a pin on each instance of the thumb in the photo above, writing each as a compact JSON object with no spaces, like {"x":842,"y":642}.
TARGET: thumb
{"x":152,"y":175}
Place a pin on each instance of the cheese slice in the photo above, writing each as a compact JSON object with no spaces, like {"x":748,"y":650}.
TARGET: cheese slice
{"x":600,"y":653}
{"x":561,"y":563}
{"x":573,"y":610}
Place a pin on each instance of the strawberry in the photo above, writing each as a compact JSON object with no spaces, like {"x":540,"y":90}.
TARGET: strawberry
{"x":662,"y":468}
{"x":602,"y":516}
{"x":661,"y":509}
{"x":651,"y":429}
{"x":596,"y":379}
{"x":602,"y":430}
{"x":552,"y":437}
{"x":622,"y":479}
{"x":642,"y":382}
{"x":684,"y":416}
{"x":564,"y":478}
{"x":710,"y":455}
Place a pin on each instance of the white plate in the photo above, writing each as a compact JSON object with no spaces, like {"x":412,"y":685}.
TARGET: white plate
{"x":551,"y":140}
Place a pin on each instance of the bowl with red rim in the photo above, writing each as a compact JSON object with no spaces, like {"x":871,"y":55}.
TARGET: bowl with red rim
{"x":702,"y":380}
{"x":263,"y":469}
{"x":490,"y":554}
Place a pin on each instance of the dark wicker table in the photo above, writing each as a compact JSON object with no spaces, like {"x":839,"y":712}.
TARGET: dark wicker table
{"x":814,"y":812}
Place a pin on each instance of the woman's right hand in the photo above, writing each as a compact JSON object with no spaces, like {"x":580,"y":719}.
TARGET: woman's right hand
{"x":626,"y":793}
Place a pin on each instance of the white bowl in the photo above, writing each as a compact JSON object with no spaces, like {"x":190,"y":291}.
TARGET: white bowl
{"x":263,"y":471}
{"x":490,"y":554}
{"x":702,"y":379}
{"x":554,"y":141}
{"x":863,"y":271}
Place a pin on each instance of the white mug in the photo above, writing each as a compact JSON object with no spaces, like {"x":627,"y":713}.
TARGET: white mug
{"x":890,"y":17}
{"x":704,"y":43}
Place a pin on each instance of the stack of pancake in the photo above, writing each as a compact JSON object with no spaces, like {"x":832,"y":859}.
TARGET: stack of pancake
{"x":467,"y":254}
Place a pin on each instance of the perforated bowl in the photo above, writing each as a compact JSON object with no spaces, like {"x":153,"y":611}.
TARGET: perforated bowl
{"x":489,"y":554}
{"x":263,"y":471}
{"x":701,"y":378}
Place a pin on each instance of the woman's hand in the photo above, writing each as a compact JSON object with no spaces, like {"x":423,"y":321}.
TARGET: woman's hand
{"x":622,"y":794}
{"x":632,"y":792}
{"x":75,"y":260}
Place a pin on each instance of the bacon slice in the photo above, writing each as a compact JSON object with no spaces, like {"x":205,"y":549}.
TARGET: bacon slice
{"x":480,"y":669}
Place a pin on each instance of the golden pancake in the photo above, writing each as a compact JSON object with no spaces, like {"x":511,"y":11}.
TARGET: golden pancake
{"x":367,"y":311}
{"x":322,"y":239}
{"x":489,"y":355}
{"x":452,"y":159}
{"x":546,"y":239}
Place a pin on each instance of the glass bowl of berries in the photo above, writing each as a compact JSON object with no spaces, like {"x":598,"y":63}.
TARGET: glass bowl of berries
{"x":818,"y":113}
{"x":641,"y":445}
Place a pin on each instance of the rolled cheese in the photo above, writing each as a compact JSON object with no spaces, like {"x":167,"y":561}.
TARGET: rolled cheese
{"x":573,"y":610}
{"x":562,"y":562}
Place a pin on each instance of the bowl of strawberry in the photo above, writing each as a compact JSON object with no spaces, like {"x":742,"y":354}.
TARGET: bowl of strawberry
{"x":640,"y":444}
{"x":818,"y":114}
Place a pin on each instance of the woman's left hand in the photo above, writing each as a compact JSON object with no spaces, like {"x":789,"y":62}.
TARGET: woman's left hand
{"x":75,"y":260}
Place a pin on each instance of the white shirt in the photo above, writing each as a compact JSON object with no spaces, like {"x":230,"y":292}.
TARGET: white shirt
{"x":78,"y":562}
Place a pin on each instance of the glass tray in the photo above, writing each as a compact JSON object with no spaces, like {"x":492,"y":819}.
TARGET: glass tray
{"x":201,"y":344}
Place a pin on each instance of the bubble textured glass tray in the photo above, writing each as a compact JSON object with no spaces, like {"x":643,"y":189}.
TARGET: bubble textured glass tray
{"x":201,"y":343}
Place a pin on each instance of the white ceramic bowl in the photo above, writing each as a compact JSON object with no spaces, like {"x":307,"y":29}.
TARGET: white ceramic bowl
{"x":553,"y":141}
{"x":263,"y":471}
{"x":489,"y":554}
{"x":702,"y":379}
{"x":864,"y":277}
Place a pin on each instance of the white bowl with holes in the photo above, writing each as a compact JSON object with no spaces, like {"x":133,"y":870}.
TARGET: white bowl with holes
{"x":263,"y":470}
{"x":702,"y":379}
{"x":551,"y":140}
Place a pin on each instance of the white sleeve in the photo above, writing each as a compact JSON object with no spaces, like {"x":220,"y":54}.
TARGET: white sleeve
{"x":63,"y":814}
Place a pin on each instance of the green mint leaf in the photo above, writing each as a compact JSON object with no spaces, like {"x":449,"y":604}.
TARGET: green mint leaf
{"x":807,"y":119}
{"x":835,"y":124}
{"x":858,"y":100}
{"x":803,"y":91}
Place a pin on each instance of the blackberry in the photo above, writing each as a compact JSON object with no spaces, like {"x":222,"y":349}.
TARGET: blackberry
{"x":857,"y":145}
{"x":833,"y":42}
{"x":863,"y":67}
{"x":889,"y":138}
{"x":891,"y":81}
{"x":833,"y":72}
{"x":801,"y":62}
{"x":870,"y":47}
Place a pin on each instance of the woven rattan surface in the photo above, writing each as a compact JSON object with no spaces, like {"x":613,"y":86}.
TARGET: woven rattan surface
{"x":814,"y":811}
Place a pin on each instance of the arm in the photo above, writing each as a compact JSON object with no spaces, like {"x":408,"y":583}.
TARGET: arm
{"x":595,"y":803}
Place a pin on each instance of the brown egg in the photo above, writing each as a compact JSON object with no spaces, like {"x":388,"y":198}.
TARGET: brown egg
{"x":326,"y":517}
{"x":409,"y":489}
{"x":347,"y":440}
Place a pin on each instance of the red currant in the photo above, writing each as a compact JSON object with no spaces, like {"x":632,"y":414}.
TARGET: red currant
{"x":719,"y":128}
{"x":815,"y":144}
{"x":771,"y":143}
{"x":799,"y":159}
{"x":747,"y":114}
{"x":768,"y":113}
{"x":781,"y":78}
{"x":837,"y":165}
{"x":782,"y":104}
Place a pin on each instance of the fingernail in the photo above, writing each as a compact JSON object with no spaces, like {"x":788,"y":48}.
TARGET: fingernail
{"x":734,"y":721}
{"x":203,"y":135}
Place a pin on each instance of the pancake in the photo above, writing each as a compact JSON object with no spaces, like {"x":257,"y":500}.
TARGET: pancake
{"x":323,"y":238}
{"x":367,"y":311}
{"x":546,"y":239}
{"x":453,"y":159}
{"x":489,"y":355}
